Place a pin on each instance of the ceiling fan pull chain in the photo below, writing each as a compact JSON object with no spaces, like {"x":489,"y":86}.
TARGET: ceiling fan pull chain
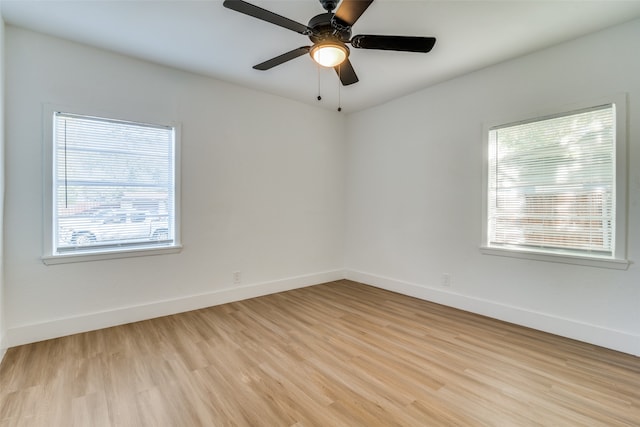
{"x":318,"y":67}
{"x":339,"y":89}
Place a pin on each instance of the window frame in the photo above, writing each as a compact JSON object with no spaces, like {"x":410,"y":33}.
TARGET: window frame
{"x":618,"y":259}
{"x":50,"y":257}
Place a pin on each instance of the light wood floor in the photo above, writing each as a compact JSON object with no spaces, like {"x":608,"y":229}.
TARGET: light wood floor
{"x":338,"y":354}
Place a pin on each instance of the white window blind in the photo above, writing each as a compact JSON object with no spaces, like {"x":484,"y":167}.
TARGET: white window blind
{"x":551,"y":184}
{"x":113,"y":185}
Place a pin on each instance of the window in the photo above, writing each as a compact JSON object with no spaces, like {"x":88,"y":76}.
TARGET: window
{"x":113,"y":188}
{"x":555,"y":187}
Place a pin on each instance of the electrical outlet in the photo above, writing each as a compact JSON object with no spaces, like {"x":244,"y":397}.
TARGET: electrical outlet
{"x":237,"y":277}
{"x":445,"y":280}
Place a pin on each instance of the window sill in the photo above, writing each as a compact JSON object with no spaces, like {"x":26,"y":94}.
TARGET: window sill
{"x":612,"y":263}
{"x":89,"y":256}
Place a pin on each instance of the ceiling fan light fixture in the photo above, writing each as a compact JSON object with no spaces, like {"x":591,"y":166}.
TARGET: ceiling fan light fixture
{"x":329,"y":53}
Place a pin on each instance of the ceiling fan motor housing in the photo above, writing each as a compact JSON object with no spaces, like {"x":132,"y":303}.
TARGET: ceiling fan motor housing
{"x":323,"y":28}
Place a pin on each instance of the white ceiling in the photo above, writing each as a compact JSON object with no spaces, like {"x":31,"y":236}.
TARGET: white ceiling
{"x":204,"y":37}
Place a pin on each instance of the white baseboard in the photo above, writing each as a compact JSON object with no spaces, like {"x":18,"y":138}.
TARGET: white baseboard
{"x":609,"y":338}
{"x":593,"y":334}
{"x":3,"y":348}
{"x":91,"y":321}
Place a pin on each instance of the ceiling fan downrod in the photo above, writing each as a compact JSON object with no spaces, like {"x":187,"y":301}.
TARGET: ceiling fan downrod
{"x":329,"y":5}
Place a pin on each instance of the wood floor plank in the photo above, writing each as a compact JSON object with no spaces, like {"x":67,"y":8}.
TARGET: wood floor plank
{"x":337,"y":354}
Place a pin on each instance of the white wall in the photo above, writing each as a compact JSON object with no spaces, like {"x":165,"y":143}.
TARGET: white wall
{"x":262,"y":191}
{"x":414,"y":187}
{"x":3,"y":328}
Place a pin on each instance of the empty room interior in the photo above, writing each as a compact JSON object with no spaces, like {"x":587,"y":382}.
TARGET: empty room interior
{"x":206,"y":224}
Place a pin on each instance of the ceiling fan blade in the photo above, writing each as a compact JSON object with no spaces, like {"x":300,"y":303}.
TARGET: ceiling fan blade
{"x":401,"y":43}
{"x":350,"y":10}
{"x":346,"y":73}
{"x":265,"y":15}
{"x":292,"y":54}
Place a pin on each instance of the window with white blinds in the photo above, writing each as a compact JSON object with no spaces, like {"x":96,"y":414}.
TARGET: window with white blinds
{"x":551,"y":184}
{"x":113,"y":185}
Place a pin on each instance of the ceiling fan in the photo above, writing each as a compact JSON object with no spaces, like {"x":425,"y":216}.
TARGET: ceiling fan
{"x":330,"y":33}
